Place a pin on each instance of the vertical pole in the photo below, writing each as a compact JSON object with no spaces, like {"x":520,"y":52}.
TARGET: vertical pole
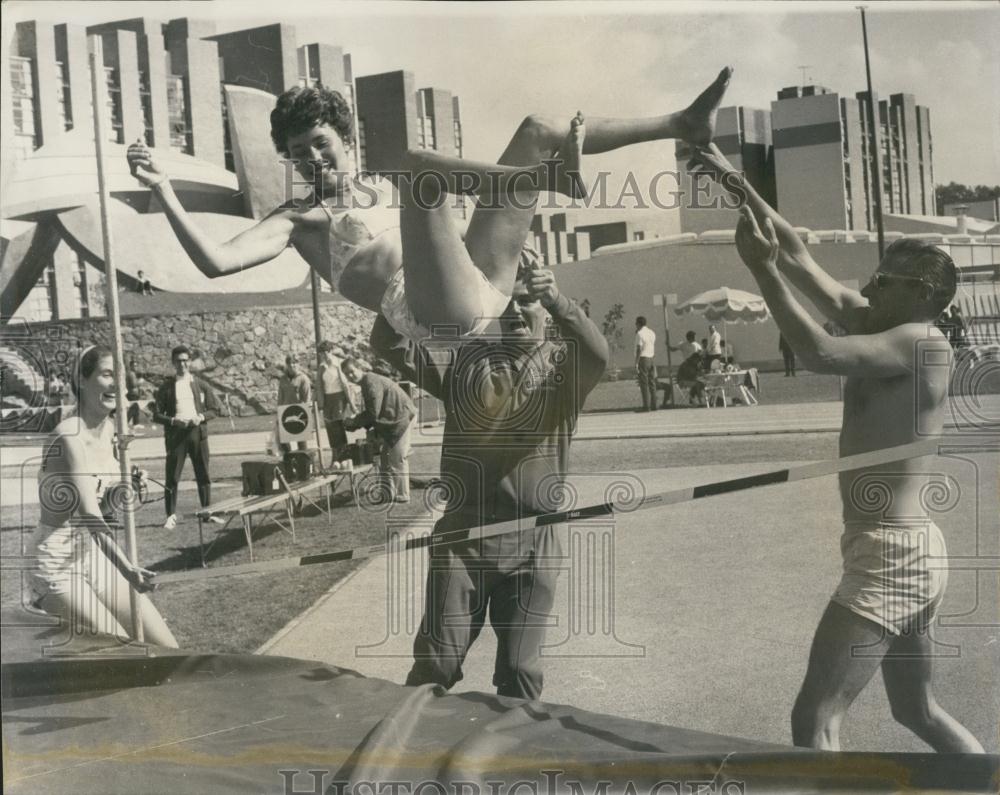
{"x":318,"y":333}
{"x":670,"y":364}
{"x":873,"y":143}
{"x":111,"y":285}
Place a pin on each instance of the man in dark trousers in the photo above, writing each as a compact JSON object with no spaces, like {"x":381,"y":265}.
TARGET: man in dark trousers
{"x":512,"y":403}
{"x":645,"y":369}
{"x":389,"y":410}
{"x":183,"y":404}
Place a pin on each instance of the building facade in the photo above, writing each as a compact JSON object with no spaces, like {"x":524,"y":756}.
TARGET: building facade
{"x":186,"y":89}
{"x":810,"y":157}
{"x":744,"y":136}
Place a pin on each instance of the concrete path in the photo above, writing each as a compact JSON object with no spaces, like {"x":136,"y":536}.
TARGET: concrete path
{"x":762,"y":419}
{"x":699,"y":615}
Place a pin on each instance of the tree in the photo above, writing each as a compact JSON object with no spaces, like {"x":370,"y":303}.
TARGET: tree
{"x":612,"y":329}
{"x":955,"y":192}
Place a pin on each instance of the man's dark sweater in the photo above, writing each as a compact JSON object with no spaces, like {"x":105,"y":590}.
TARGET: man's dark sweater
{"x":511,"y":411}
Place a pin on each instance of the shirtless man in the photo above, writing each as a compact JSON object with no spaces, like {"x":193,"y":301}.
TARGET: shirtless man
{"x":882,"y":609}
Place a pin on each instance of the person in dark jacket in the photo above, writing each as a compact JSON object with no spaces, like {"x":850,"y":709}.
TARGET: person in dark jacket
{"x":512,"y":402}
{"x":389,"y":411}
{"x":183,"y":405}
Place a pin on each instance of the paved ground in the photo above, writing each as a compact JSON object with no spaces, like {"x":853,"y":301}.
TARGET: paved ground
{"x":763,"y":419}
{"x":706,"y":614}
{"x":713,"y":603}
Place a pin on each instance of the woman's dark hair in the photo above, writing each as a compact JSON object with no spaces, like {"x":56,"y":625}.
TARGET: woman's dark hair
{"x":300,"y":108}
{"x":86,"y":365}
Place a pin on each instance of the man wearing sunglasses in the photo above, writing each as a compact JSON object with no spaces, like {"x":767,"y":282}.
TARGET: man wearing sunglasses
{"x":183,"y":404}
{"x":896,"y":364}
{"x":511,"y":400}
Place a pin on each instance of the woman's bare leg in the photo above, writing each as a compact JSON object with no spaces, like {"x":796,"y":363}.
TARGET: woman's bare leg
{"x":441,"y":280}
{"x":497,"y":231}
{"x":113,"y":590}
{"x":540,"y":156}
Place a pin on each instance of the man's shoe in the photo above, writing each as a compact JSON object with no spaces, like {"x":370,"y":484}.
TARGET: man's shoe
{"x":171,"y":522}
{"x":214,"y":518}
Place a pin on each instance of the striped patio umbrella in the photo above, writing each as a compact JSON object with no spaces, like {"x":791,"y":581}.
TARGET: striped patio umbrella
{"x":727,"y":305}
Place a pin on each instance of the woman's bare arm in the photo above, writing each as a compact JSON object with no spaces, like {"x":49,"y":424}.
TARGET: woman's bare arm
{"x":261,"y":243}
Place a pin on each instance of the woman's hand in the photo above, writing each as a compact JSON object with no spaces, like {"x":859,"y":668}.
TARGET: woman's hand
{"x":142,"y":165}
{"x":142,"y":579}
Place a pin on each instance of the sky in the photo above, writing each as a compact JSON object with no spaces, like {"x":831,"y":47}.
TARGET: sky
{"x":639,"y":59}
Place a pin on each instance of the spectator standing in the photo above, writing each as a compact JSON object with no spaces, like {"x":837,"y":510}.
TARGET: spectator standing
{"x":183,"y":403}
{"x":294,"y":386}
{"x":645,"y":351}
{"x":389,"y":410}
{"x":132,"y":395}
{"x":333,"y":394}
{"x":714,"y":346}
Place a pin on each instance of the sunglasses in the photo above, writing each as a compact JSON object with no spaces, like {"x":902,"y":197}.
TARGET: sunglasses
{"x":881,"y":280}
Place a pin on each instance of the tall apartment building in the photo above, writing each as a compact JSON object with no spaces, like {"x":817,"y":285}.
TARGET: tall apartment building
{"x":185,"y":88}
{"x":743,"y":135}
{"x":822,"y":158}
{"x":809,"y":156}
{"x":393,"y":116}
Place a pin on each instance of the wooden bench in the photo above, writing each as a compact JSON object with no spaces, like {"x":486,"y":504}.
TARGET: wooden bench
{"x":271,"y":506}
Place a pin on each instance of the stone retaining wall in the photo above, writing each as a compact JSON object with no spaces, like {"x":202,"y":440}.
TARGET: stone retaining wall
{"x":237,"y":352}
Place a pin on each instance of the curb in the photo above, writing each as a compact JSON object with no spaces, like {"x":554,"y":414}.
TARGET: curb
{"x":305,"y":614}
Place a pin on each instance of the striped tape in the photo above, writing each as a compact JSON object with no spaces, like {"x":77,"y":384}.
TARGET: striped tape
{"x":820,"y":469}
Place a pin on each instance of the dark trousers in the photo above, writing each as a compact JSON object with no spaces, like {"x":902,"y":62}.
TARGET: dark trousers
{"x":132,"y":415}
{"x":510,"y":577}
{"x":646,"y":375}
{"x":789,"y":357}
{"x":334,"y":407}
{"x":182,"y":443}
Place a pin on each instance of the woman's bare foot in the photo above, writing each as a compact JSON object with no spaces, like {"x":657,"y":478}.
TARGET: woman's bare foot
{"x":566,"y":177}
{"x":696,"y":124}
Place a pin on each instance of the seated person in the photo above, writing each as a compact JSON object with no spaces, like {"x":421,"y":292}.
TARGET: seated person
{"x":687,"y":377}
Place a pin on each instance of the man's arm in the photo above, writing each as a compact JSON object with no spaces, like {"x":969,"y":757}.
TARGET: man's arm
{"x":210,"y":403}
{"x":160,"y":414}
{"x":591,"y":349}
{"x":881,"y":355}
{"x":830,"y":297}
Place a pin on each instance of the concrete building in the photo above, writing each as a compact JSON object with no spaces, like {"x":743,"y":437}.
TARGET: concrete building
{"x":809,"y":156}
{"x":202,"y":100}
{"x":822,"y":161}
{"x":744,"y":136}
{"x":393,"y":116}
{"x":573,"y":235}
{"x":985,"y":210}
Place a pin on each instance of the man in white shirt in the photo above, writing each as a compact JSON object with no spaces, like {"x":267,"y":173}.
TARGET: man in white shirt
{"x":181,"y":405}
{"x":688,"y":348}
{"x":645,"y":350}
{"x":714,"y":344}
{"x":333,"y":394}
